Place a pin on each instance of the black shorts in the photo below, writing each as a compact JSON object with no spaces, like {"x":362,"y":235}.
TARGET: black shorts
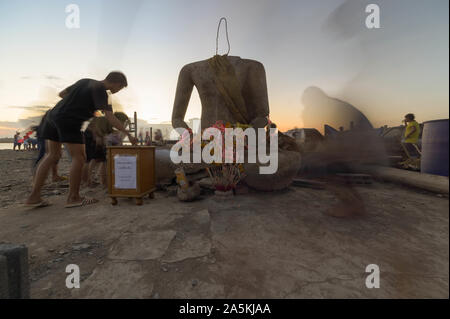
{"x":62,"y":130}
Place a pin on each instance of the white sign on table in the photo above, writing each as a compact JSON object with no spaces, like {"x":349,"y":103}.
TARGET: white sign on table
{"x":125,"y":172}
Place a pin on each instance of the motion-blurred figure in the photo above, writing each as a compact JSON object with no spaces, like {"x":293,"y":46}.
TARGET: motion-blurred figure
{"x":412,"y":133}
{"x":16,"y":141}
{"x":320,"y":109}
{"x":63,"y":124}
{"x":99,"y":134}
{"x":41,"y":144}
{"x":355,"y":143}
{"x":159,"y":137}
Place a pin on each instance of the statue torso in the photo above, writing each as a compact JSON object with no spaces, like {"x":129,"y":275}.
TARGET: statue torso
{"x":213,"y":104}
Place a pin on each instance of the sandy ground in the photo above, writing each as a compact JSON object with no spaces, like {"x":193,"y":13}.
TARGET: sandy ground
{"x":274,"y":245}
{"x":15,"y":172}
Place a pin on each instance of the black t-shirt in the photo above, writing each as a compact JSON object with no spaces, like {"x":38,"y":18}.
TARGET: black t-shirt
{"x":82,"y":100}
{"x":41,"y":125}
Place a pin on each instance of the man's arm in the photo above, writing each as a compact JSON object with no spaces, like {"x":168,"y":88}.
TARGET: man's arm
{"x":118,"y":125}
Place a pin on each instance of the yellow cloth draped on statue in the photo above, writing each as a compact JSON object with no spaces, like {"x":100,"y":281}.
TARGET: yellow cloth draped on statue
{"x":228,"y":86}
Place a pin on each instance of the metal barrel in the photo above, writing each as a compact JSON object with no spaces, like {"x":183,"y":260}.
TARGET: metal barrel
{"x":435,"y":147}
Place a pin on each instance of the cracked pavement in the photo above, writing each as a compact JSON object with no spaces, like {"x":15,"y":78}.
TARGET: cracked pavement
{"x":257,"y":245}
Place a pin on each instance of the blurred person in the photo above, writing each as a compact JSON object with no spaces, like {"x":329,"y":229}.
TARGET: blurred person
{"x":33,"y":142}
{"x":26,"y":144}
{"x":99,"y":134}
{"x":16,"y":141}
{"x":147,"y":140}
{"x":140,"y":138}
{"x":411,"y":137}
{"x":63,"y":125}
{"x":158,"y":137}
{"x":41,"y":145}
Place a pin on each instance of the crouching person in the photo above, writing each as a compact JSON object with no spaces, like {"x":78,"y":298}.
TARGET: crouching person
{"x":102,"y":134}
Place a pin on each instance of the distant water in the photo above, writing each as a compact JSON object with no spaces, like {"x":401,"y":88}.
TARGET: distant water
{"x":6,"y":146}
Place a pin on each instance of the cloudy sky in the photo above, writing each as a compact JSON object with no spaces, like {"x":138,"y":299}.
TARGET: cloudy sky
{"x":400,"y":68}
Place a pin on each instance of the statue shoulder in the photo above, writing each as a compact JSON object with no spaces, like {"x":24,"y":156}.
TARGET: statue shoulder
{"x":190,"y":68}
{"x":193,"y":65}
{"x":186,"y":68}
{"x":253,"y":63}
{"x":254,"y":67}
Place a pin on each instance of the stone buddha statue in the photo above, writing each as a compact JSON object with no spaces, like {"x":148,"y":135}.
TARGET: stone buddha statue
{"x":233,"y":90}
{"x":251,"y":82}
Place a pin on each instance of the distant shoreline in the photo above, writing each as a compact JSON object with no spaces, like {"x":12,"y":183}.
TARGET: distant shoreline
{"x":6,"y":146}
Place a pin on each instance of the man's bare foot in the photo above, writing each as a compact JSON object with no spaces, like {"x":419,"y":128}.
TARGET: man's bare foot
{"x":32,"y":199}
{"x":42,"y":203}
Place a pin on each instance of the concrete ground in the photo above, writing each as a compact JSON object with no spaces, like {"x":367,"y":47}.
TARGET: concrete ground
{"x":258,"y":245}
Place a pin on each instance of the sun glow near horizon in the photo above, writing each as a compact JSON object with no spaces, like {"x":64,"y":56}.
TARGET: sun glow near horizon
{"x":368,"y":69}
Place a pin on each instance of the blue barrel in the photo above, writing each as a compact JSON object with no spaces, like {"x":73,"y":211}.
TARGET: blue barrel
{"x":435,"y":148}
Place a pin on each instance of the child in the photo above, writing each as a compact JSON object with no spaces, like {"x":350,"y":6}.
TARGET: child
{"x":100,"y":134}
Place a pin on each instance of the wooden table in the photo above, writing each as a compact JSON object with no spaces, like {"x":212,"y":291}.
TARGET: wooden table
{"x":136,"y":172}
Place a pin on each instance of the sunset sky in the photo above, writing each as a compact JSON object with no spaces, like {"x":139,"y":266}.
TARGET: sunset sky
{"x":400,"y":68}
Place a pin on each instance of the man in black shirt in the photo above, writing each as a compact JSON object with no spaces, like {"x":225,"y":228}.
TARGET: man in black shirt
{"x":63,"y":125}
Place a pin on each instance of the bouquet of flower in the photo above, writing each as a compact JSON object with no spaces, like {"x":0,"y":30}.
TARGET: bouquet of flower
{"x":228,"y":173}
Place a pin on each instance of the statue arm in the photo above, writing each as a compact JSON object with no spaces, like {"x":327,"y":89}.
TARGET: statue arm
{"x":259,"y":97}
{"x":183,"y":94}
